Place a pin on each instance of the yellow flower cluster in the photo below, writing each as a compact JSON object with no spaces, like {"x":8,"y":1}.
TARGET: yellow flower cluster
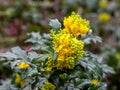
{"x":103,"y":3}
{"x":95,"y":81}
{"x":75,"y":25}
{"x":117,"y":55}
{"x":49,"y":64}
{"x":48,"y":86}
{"x":63,"y":76}
{"x":19,"y":81}
{"x":105,"y":17}
{"x":23,"y":65}
{"x":66,"y":44}
{"x":9,"y":11}
{"x":68,"y":48}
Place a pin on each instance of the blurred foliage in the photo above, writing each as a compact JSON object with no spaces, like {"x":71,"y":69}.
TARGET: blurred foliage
{"x":18,"y":17}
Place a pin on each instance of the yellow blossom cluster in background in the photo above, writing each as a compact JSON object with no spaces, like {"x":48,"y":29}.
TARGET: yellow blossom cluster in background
{"x":48,"y":86}
{"x":117,"y":55}
{"x":23,"y":65}
{"x":103,"y":3}
{"x":105,"y":17}
{"x":9,"y":11}
{"x":75,"y":25}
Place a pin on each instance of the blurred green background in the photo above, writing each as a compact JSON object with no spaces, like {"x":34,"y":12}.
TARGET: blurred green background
{"x":19,"y":17}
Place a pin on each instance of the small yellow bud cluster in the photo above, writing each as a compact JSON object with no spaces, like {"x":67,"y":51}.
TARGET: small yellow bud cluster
{"x":48,"y":86}
{"x":63,"y":76}
{"x":105,"y":17}
{"x":49,"y":64}
{"x":9,"y":11}
{"x":23,"y":65}
{"x":19,"y":81}
{"x":103,"y":3}
{"x":117,"y":55}
{"x":95,"y":81}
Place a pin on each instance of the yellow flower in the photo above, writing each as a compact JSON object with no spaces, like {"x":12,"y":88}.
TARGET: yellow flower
{"x":105,"y":17}
{"x":22,"y":83}
{"x":117,"y":55}
{"x":75,"y":25}
{"x":48,"y":68}
{"x":9,"y":11}
{"x":19,"y":81}
{"x":95,"y":81}
{"x":103,"y":3}
{"x":63,"y":76}
{"x":18,"y":78}
{"x":68,"y":48}
{"x":48,"y":86}
{"x":49,"y":64}
{"x":23,"y":65}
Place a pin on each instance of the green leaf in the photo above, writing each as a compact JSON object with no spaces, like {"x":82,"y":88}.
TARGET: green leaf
{"x":32,"y":72}
{"x":91,"y":4}
{"x":34,"y":37}
{"x":96,"y":39}
{"x":82,"y":83}
{"x":107,"y":69}
{"x":8,"y":55}
{"x":36,"y":60}
{"x":40,"y":42}
{"x":62,"y":88}
{"x":83,"y":63}
{"x":5,"y":85}
{"x":27,"y":87}
{"x":102,"y":86}
{"x":13,"y":64}
{"x":54,"y":57}
{"x":74,"y":74}
{"x":33,"y":55}
{"x":92,"y":38}
{"x":70,"y":87}
{"x":55,"y":24}
{"x":19,"y":52}
{"x":87,"y":40}
{"x":41,"y":57}
{"x":40,"y":82}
